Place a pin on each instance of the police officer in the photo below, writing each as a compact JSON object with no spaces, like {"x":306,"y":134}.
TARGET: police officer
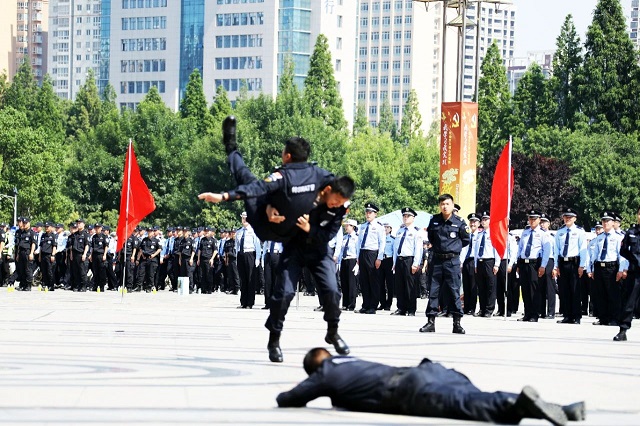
{"x":469,"y":286}
{"x":506,"y":280}
{"x":607,"y":268}
{"x":231,"y":264}
{"x":630,"y":249}
{"x":219,"y":274}
{"x":80,"y":257}
{"x":165,"y":269}
{"x":448,"y":234}
{"x":47,"y":256}
{"x":111,"y":244}
{"x":148,"y":254}
{"x":206,"y":253}
{"x":25,"y":241}
{"x":175,"y":255}
{"x":187,"y":254}
{"x":99,"y":248}
{"x":127,"y":262}
{"x":248,"y":252}
{"x":347,"y":259}
{"x":487,"y":263}
{"x":270,"y":256}
{"x":4,"y":254}
{"x":407,"y":254}
{"x":547,"y":283}
{"x":69,"y":278}
{"x":371,"y":242}
{"x":61,"y":259}
{"x":387,"y":279}
{"x":534,"y":251}
{"x":569,"y":263}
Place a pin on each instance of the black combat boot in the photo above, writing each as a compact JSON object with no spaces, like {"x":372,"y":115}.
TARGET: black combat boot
{"x":430,"y":326}
{"x":275,"y":353}
{"x":457,"y":328}
{"x":621,"y":336}
{"x":333,"y":338}
{"x":229,"y":134}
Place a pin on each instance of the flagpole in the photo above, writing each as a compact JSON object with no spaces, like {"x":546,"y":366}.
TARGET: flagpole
{"x":126,"y":226}
{"x":506,"y":270}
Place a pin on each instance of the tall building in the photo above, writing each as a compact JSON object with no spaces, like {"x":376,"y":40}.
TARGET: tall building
{"x":246,"y":43}
{"x":74,"y":44}
{"x":633,"y":22}
{"x":23,"y":33}
{"x":518,"y":66}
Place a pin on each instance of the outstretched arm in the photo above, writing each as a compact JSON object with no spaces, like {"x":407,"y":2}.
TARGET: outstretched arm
{"x":306,"y":391}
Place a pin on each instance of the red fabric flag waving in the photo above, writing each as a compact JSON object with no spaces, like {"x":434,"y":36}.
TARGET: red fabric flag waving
{"x":501,"y":193}
{"x":136,"y":201}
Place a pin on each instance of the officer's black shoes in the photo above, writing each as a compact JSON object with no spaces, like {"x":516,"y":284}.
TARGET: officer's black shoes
{"x":430,"y":326}
{"x":229,"y":134}
{"x":399,"y":312}
{"x":411,"y":314}
{"x":621,"y":336}
{"x":333,"y":338}
{"x":275,"y":353}
{"x":564,"y":321}
{"x":457,"y":328}
{"x":319,"y":309}
{"x":575,"y":412}
{"x":530,"y":405}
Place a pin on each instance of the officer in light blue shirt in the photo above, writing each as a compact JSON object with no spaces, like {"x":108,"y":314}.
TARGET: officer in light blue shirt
{"x":534,"y":251}
{"x":347,"y":259}
{"x":407,"y":254}
{"x":371,"y":241}
{"x":387,"y":283}
{"x":248,"y":249}
{"x":486,"y":263}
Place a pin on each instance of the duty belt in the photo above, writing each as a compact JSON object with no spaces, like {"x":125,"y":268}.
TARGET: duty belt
{"x":485,"y":259}
{"x":445,"y":255}
{"x":569,"y":259}
{"x":534,"y":260}
{"x":607,"y":264}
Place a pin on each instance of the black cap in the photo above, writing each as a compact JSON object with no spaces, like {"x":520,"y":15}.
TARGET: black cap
{"x":409,"y":210}
{"x":206,"y":229}
{"x":484,"y":214}
{"x":544,"y":217}
{"x":59,"y":225}
{"x":178,"y":228}
{"x":456,"y":207}
{"x":617,"y":217}
{"x":25,"y":219}
{"x":73,"y":225}
{"x":97,"y":225}
{"x":473,"y":216}
{"x":40,"y":224}
{"x":569,"y":212}
{"x":90,"y":227}
{"x":106,"y":228}
{"x":372,"y":207}
{"x":534,"y":213}
{"x":608,"y":215}
{"x":48,"y":224}
{"x":80,"y":220}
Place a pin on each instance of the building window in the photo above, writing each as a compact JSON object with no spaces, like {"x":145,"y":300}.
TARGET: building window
{"x":338,"y":65}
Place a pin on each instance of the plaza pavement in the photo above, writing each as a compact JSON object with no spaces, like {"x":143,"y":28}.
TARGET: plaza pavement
{"x":151,"y":359}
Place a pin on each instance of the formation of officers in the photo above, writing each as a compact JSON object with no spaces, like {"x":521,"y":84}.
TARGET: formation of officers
{"x":592,"y":277}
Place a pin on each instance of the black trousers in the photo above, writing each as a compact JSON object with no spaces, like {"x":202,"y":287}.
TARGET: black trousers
{"x":445,"y":278}
{"x":4,"y":269}
{"x":469,"y":286}
{"x":406,"y":285}
{"x":548,"y":291}
{"x":513,"y":291}
{"x":387,"y":283}
{"x":530,"y":287}
{"x":164,"y":271}
{"x":233,"y":278}
{"x":585,"y":293}
{"x":608,"y":292}
{"x":219,"y":275}
{"x":46,"y":267}
{"x":293,"y":258}
{"x":79,"y":270}
{"x":569,"y":286}
{"x":501,"y":285}
{"x":186,"y":270}
{"x":23,"y":272}
{"x":369,"y":279}
{"x":348,"y":283}
{"x":174,"y":273}
{"x":147,"y":270}
{"x":630,"y":297}
{"x":60,"y":268}
{"x":246,"y":265}
{"x":270,"y":277}
{"x":99,"y":270}
{"x":206,"y":275}
{"x":486,"y":283}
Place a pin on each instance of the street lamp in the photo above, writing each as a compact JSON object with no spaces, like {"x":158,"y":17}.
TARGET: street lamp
{"x":15,"y":204}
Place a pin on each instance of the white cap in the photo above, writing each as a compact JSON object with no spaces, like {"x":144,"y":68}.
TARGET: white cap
{"x":351,"y":222}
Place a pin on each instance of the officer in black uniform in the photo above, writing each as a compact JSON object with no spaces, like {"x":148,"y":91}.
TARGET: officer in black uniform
{"x":112,"y":280}
{"x":68,"y":277}
{"x":147,"y":256}
{"x":448,"y":234}
{"x":427,"y":390}
{"x":99,"y":247}
{"x":47,"y":256}
{"x":186,"y":262}
{"x":206,"y":253}
{"x":630,"y":250}
{"x":80,"y":257}
{"x":127,"y":262}
{"x":175,"y":256}
{"x":25,"y":246}
{"x":4,"y":254}
{"x":231,"y":264}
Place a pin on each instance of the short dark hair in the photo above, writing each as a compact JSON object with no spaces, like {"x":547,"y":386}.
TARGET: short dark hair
{"x":344,"y":186}
{"x":299,"y":149}
{"x":313,"y":359}
{"x":444,"y":197}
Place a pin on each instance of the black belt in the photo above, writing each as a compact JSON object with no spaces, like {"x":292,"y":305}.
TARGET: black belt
{"x":485,"y":259}
{"x":568,"y":259}
{"x":607,"y":264}
{"x":534,"y":260}
{"x":384,"y":256}
{"x":445,"y":255}
{"x":405,"y":257}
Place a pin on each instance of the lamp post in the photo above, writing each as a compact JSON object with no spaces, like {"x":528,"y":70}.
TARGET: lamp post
{"x":15,"y":204}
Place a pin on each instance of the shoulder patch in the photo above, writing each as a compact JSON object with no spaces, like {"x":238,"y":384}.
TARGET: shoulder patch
{"x":273,"y":177}
{"x":466,"y":228}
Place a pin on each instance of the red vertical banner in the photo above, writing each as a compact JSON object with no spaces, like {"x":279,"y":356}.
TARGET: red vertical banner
{"x":458,"y":153}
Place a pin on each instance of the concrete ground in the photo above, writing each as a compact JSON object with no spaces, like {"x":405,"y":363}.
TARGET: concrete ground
{"x":152,"y":359}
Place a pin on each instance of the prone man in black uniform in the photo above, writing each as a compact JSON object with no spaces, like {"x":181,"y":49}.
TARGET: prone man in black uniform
{"x":427,"y":390}
{"x":47,"y":256}
{"x":448,"y":234}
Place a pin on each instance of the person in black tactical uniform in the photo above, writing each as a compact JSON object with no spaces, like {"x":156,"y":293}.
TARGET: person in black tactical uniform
{"x":47,"y":256}
{"x":25,"y":245}
{"x":186,"y":262}
{"x":99,"y":247}
{"x":231,"y":264}
{"x":175,"y":255}
{"x":127,"y":262}
{"x":4,"y":254}
{"x":207,"y":250}
{"x":427,"y":390}
{"x":80,"y":257}
{"x":302,"y":206}
{"x":147,"y":256}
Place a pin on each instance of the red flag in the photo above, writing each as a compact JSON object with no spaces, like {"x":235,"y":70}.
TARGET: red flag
{"x":136,"y":201}
{"x":501,"y":193}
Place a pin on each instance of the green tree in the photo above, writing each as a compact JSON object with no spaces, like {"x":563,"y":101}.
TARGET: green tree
{"x":494,"y":102}
{"x":566,"y":63}
{"x":194,"y":104}
{"x":85,"y":112}
{"x":22,"y":91}
{"x":321,"y":94}
{"x":4,"y":86}
{"x":360,"y":123}
{"x":606,"y":80}
{"x":50,"y":117}
{"x":387,"y":123}
{"x":221,"y":106}
{"x":532,"y":101}
{"x":411,"y":124}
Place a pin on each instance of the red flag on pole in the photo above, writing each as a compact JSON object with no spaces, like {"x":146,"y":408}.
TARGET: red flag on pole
{"x":136,"y":201}
{"x":501,"y":193}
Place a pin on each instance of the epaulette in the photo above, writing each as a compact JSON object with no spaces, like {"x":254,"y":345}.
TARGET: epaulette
{"x":417,"y":229}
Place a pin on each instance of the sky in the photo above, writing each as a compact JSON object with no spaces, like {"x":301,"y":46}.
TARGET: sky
{"x":538,"y":22}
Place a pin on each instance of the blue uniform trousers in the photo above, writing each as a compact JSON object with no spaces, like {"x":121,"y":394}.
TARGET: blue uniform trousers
{"x":446,"y":279}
